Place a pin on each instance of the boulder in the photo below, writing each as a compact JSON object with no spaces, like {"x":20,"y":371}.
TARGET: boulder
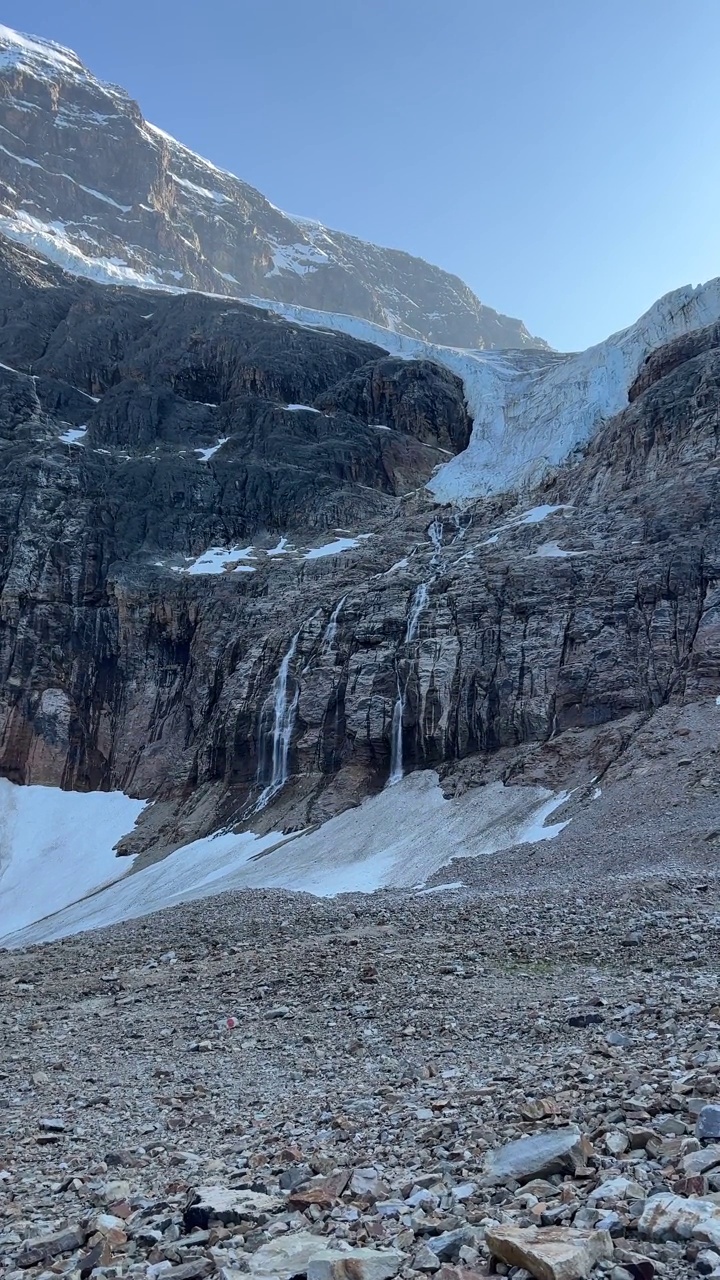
{"x":305,"y":1254}
{"x":707,"y":1126}
{"x":671,"y":1217}
{"x":550,"y":1253}
{"x":228,"y":1206}
{"x":537,"y":1156}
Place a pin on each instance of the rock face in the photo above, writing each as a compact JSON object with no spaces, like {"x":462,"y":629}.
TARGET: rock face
{"x":90,"y":184}
{"x":223,"y":581}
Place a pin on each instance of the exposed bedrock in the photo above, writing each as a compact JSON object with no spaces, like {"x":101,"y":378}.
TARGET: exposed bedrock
{"x":476,"y":633}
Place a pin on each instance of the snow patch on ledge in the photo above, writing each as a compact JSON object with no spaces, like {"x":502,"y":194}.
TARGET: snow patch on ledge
{"x":52,"y":241}
{"x":335,"y":548}
{"x":73,"y":435}
{"x":220,"y":560}
{"x":207,"y":454}
{"x":397,"y":839}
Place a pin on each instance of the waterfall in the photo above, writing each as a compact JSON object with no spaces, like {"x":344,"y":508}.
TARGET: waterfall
{"x":331,"y":629}
{"x":418,"y":604}
{"x":284,"y":712}
{"x":396,"y":744}
{"x":435,"y":534}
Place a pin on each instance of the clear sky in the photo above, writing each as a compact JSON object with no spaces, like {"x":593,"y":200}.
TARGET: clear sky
{"x":559,"y":155}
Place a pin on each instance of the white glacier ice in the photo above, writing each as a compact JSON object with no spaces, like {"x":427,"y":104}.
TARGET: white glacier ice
{"x":530,"y":408}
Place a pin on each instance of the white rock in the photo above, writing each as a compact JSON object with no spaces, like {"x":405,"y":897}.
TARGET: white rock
{"x":669,"y":1217}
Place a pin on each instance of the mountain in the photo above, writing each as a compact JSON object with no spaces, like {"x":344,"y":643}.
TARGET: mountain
{"x":228,"y":588}
{"x":89,"y":183}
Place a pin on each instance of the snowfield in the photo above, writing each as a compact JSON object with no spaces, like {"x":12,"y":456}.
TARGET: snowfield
{"x":57,"y":846}
{"x":397,"y":839}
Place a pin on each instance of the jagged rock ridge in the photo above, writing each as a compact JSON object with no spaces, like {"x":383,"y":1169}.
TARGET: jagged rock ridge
{"x":88,"y":182}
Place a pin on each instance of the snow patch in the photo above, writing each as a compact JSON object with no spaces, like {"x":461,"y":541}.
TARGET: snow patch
{"x":442,"y":888}
{"x":551,"y":551}
{"x":298,"y":258}
{"x":220,"y":560}
{"x":304,"y":408}
{"x":217,"y":197}
{"x":57,"y":846}
{"x":52,"y":241}
{"x":335,"y":548}
{"x":283,"y":548}
{"x":536,"y":514}
{"x":397,"y":839}
{"x":207,"y":454}
{"x":74,"y":435}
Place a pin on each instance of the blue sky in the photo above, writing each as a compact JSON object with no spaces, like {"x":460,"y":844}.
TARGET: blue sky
{"x":559,"y":155}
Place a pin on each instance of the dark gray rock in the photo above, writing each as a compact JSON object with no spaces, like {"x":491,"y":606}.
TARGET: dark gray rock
{"x":707,"y":1126}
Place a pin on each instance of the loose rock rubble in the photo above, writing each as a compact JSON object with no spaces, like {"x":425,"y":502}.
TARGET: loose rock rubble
{"x":400,"y":1085}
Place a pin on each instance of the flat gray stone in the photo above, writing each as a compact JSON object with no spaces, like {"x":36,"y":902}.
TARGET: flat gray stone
{"x":537,"y":1156}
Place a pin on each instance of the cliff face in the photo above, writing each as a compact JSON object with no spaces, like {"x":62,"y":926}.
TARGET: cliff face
{"x":90,"y":184}
{"x":224,"y":586}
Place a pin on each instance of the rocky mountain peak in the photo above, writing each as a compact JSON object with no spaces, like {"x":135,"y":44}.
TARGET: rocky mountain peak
{"x":88,"y":182}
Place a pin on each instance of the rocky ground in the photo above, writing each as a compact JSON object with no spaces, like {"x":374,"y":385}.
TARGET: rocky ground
{"x":400,"y":1084}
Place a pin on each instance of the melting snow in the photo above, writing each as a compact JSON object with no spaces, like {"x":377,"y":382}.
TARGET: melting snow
{"x":298,"y":258}
{"x":305,"y":408}
{"x":220,"y":559}
{"x":57,"y":846}
{"x":551,"y":551}
{"x":204,"y":192}
{"x":334,"y":548}
{"x":74,"y":435}
{"x":207,"y":454}
{"x":283,"y":548}
{"x":536,"y":514}
{"x":397,"y":839}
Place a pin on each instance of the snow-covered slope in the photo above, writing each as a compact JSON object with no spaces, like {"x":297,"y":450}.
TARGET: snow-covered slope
{"x":530,"y":409}
{"x":86,"y":181}
{"x":57,"y":846}
{"x":397,"y":839}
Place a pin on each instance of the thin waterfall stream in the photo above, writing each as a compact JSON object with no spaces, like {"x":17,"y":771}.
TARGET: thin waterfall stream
{"x":284,"y":711}
{"x":419,"y":603}
{"x":331,"y":629}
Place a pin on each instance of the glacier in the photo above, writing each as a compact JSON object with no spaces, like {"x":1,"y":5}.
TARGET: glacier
{"x":530,"y":408}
